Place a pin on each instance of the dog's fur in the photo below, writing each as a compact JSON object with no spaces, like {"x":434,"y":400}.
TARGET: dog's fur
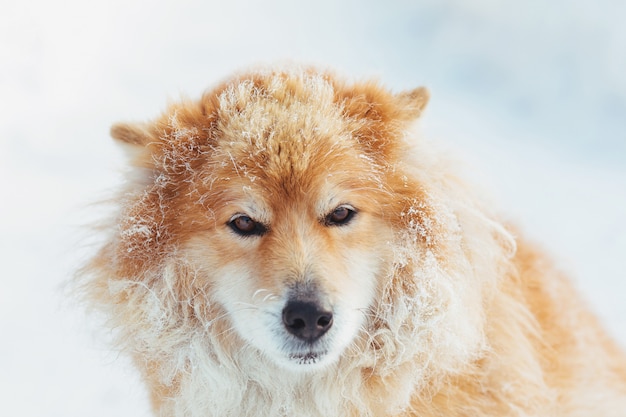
{"x":437,"y":309}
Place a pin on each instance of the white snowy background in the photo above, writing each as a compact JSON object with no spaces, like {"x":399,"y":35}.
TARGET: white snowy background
{"x":532,"y":92}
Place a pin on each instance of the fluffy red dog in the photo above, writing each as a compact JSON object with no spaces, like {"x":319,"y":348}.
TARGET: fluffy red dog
{"x":287,"y":246}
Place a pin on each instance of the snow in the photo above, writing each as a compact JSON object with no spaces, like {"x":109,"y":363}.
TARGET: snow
{"x":532,"y":93}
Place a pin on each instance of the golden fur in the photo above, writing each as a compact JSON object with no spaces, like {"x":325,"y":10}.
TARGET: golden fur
{"x":438,"y":309}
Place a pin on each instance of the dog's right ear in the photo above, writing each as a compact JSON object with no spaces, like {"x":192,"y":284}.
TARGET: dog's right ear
{"x":135,"y":139}
{"x":131,"y":134}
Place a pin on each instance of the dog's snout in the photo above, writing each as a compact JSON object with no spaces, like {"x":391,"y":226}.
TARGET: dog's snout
{"x":307,"y":320}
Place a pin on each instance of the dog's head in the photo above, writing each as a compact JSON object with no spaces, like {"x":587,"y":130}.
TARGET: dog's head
{"x":275,"y":190}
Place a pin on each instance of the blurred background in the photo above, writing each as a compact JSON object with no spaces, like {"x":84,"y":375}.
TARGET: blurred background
{"x":532,"y":94}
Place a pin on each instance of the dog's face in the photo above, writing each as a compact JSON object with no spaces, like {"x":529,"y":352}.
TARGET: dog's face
{"x":295,"y":265}
{"x":275,"y":191}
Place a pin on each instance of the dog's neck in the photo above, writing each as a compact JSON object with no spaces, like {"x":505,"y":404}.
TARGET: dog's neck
{"x":249,"y":384}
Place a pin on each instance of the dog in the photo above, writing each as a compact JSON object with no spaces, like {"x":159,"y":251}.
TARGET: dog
{"x":289,"y":245}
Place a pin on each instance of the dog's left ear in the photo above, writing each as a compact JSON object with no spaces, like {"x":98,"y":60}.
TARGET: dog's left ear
{"x":380,"y":116}
{"x":370,"y":102}
{"x":413,"y":102}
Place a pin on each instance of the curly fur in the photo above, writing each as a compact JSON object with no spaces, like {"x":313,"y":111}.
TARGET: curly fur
{"x":463,"y":319}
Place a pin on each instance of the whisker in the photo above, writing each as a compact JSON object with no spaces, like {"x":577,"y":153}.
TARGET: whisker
{"x":247,"y":305}
{"x":268,"y":296}
{"x":258,"y":292}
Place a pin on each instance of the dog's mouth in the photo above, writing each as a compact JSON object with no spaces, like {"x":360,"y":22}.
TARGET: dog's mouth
{"x":308,"y":358}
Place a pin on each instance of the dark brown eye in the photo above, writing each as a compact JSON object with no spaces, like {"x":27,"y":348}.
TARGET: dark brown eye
{"x":340,"y":216}
{"x":245,"y":226}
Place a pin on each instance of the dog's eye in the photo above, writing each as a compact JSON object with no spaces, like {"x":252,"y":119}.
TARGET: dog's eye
{"x":340,"y":216}
{"x":245,"y":226}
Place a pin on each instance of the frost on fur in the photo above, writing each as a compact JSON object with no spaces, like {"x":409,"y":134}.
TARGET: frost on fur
{"x":443,"y":309}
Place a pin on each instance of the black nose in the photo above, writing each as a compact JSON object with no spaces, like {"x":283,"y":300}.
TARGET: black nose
{"x":306,"y":320}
